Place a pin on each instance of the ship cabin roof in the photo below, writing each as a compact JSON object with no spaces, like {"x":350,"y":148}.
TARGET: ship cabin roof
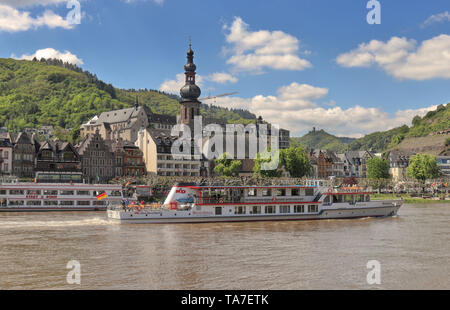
{"x":201,"y":187}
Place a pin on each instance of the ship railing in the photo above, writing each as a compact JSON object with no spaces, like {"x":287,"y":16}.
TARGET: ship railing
{"x":355,"y":189}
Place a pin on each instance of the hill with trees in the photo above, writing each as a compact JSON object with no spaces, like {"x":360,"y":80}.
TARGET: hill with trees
{"x":427,"y":134}
{"x":50,"y":92}
{"x":319,"y":139}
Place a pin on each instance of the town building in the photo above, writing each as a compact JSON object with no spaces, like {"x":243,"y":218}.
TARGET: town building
{"x":156,"y":146}
{"x":98,"y":162}
{"x":24,"y":155}
{"x":125,"y":122}
{"x":444,"y":164}
{"x":354,"y":163}
{"x":57,"y":162}
{"x":398,"y":163}
{"x":6,"y":154}
{"x":325,"y":164}
{"x":161,"y":121}
{"x":133,"y":161}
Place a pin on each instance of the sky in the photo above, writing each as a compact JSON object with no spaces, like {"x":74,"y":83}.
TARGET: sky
{"x":299,"y":63}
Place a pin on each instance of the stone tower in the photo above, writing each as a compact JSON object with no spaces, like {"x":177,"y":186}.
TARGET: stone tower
{"x":190,"y":106}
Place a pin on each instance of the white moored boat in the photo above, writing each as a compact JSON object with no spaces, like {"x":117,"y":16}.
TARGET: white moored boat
{"x":29,"y":197}
{"x":189,"y":203}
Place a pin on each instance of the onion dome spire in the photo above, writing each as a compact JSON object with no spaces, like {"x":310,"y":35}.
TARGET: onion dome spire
{"x":190,"y":91}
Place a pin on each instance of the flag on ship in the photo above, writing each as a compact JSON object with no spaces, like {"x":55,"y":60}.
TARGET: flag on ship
{"x":102,"y":196}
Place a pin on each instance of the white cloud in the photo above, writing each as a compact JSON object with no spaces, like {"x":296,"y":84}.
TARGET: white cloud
{"x":158,"y":2}
{"x":294,"y":108}
{"x":24,"y":3}
{"x":173,"y":86}
{"x":52,"y":53}
{"x":402,"y":58}
{"x":253,"y":51}
{"x":222,"y":78}
{"x":13,"y":20}
{"x":437,"y":18}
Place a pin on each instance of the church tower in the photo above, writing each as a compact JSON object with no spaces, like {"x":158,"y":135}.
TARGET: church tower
{"x":190,"y":106}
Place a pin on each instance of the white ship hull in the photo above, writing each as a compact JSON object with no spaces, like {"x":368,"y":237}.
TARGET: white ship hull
{"x":41,"y":197}
{"x":336,"y":211}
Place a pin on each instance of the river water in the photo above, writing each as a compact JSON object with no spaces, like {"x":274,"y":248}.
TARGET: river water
{"x":413,"y":250}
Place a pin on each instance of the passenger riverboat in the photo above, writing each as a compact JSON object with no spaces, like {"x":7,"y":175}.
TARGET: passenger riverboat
{"x":31,"y":197}
{"x":190,"y":203}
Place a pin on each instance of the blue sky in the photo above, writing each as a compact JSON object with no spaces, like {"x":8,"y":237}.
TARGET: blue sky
{"x":296,"y":63}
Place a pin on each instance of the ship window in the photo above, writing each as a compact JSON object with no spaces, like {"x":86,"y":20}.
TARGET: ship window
{"x":67,"y":203}
{"x":50,"y":203}
{"x":255,"y":210}
{"x":313,"y":208}
{"x":285,"y":209}
{"x":327,"y":199}
{"x":299,"y":209}
{"x":218,"y":210}
{"x":50,"y":192}
{"x":309,"y":192}
{"x":66,"y":193}
{"x":252,"y":192}
{"x":240,"y":210}
{"x":33,"y":203}
{"x":295,"y":192}
{"x":281,"y":192}
{"x":367,"y":197}
{"x":83,"y":203}
{"x":83,"y":193}
{"x":269,"y":209}
{"x":116,"y":193}
{"x":16,"y":192}
{"x":3,"y":192}
{"x":16,"y":202}
{"x":98,"y":203}
{"x":267,"y":192}
{"x":33,"y":192}
{"x":348,"y":198}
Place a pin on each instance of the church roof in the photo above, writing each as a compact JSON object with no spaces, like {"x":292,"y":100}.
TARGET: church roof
{"x":119,"y":116}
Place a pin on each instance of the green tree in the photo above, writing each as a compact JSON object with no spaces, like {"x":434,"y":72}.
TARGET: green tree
{"x":377,"y":168}
{"x":422,"y":167}
{"x":226,"y":166}
{"x":295,"y":161}
{"x":266,"y":157}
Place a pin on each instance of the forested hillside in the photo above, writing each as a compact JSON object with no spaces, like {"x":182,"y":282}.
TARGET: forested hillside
{"x":322,"y":140}
{"x":50,"y":92}
{"x":433,"y":121}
